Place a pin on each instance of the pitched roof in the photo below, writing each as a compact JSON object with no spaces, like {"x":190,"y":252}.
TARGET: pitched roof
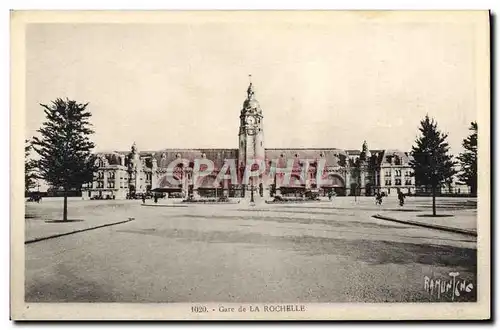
{"x":166,"y":156}
{"x":388,"y":153}
{"x":112,"y":157}
{"x":332,"y":156}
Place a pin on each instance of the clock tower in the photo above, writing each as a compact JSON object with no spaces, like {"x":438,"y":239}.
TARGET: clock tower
{"x":251,"y":134}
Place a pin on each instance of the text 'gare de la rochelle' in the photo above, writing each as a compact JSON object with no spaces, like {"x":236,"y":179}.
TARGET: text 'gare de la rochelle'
{"x":207,"y":172}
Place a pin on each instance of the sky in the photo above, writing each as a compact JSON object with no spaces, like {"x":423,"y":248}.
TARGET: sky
{"x":320,"y":83}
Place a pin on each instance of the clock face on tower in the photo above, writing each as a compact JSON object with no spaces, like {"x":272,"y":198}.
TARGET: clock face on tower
{"x":250,"y":120}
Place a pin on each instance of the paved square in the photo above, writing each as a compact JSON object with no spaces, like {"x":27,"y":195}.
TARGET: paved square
{"x":316,"y":252}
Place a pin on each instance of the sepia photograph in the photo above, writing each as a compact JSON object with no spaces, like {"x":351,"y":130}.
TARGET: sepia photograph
{"x":250,"y":165}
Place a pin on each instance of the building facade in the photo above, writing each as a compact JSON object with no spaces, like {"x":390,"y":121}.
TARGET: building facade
{"x":251,"y":166}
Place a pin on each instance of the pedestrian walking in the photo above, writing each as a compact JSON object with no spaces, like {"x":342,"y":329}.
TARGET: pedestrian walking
{"x":401,"y":198}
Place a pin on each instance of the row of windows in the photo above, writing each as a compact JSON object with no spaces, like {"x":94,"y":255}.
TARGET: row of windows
{"x":397,"y":173}
{"x":100,"y":184}
{"x":397,"y":182}
{"x":111,"y":176}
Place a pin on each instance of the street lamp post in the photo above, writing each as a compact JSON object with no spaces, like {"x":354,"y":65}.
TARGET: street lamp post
{"x":251,"y":194}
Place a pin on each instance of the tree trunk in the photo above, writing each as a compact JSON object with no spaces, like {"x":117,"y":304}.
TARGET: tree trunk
{"x":65,"y":207}
{"x":434,"y":200}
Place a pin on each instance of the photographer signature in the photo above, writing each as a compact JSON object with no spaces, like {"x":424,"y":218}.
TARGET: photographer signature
{"x":439,"y":286}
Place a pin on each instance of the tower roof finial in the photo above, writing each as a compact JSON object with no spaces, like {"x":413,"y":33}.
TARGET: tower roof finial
{"x":250,"y":90}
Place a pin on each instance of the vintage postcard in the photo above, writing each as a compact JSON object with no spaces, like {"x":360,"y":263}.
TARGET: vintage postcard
{"x":250,"y":165}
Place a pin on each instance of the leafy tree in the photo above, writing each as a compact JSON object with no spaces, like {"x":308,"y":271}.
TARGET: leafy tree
{"x":468,"y":160}
{"x":432,"y":164}
{"x":29,"y":167}
{"x":65,"y":150}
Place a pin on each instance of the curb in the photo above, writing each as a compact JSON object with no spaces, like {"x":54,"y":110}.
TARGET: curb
{"x":294,"y":202}
{"x":34,"y":240}
{"x":164,"y":205}
{"x":438,"y":227}
{"x":209,"y":203}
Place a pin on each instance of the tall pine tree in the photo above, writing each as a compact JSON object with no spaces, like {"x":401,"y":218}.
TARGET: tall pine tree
{"x":65,"y":150}
{"x":431,"y":163}
{"x":468,"y":160}
{"x":29,"y":167}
